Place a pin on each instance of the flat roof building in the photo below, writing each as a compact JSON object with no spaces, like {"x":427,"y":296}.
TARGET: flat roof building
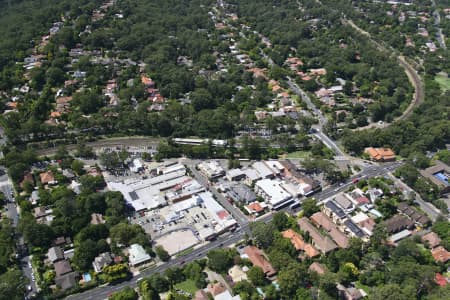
{"x":211,"y":169}
{"x":272,"y":192}
{"x":146,"y":194}
{"x":439,"y":174}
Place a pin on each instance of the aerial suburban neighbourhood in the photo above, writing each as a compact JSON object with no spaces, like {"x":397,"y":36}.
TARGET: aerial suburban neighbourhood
{"x":226,"y":150}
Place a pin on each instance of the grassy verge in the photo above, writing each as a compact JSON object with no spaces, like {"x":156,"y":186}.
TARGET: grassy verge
{"x":299,"y":154}
{"x":185,"y":252}
{"x":187,"y":286}
{"x":444,"y":82}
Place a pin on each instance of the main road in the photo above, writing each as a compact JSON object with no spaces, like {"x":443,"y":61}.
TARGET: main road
{"x":225,"y":240}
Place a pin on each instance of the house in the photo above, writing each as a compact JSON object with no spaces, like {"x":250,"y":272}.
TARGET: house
{"x":332,"y":210}
{"x":67,"y":281}
{"x":318,"y":268}
{"x":431,"y":239}
{"x":201,"y":295}
{"x":43,"y":215}
{"x":237,"y":273}
{"x":440,"y":254}
{"x":398,"y":223}
{"x":350,"y":293}
{"x":257,"y":258}
{"x":380,"y":154}
{"x":55,"y":254}
{"x":439,"y":174}
{"x":62,"y":241}
{"x":216,"y":288}
{"x":418,"y":218}
{"x":226,"y":295}
{"x":101,"y":261}
{"x":344,"y":203}
{"x":441,"y":280}
{"x":255,"y":208}
{"x":47,"y":177}
{"x":62,"y":267}
{"x":299,"y":244}
{"x":27,"y":178}
{"x":137,"y":255}
{"x":322,"y":220}
{"x":323,"y":243}
{"x":366,"y":223}
{"x":354,"y":229}
{"x":97,"y":219}
{"x":242,"y":193}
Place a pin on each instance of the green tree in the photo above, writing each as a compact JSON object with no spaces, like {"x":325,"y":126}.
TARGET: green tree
{"x":263,"y":233}
{"x":162,"y":253}
{"x":159,"y":283}
{"x":12,"y":284}
{"x":280,"y":221}
{"x":256,"y":276}
{"x":220,"y":260}
{"x":125,"y":294}
{"x":310,"y":207}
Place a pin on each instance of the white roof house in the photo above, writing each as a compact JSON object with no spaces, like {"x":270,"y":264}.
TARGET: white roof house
{"x":137,"y":255}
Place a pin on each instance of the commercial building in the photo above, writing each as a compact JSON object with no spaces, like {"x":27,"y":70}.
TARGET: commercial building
{"x":272,"y":192}
{"x":211,"y":169}
{"x":145,"y":194}
{"x":380,"y":154}
{"x":263,"y":170}
{"x":439,"y":174}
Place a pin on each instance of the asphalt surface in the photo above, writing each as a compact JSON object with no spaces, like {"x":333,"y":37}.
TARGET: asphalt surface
{"x":427,"y":207}
{"x":235,"y":212}
{"x":229,"y":238}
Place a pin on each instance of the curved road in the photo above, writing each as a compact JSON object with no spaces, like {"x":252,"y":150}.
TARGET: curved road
{"x":414,"y":78}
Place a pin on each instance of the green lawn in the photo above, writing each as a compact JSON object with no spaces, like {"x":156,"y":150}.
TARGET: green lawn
{"x":443,"y":81}
{"x":299,"y":154}
{"x":187,"y":286}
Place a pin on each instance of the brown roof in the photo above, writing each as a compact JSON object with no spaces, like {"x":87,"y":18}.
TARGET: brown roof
{"x":201,"y":295}
{"x":62,"y":267}
{"x":97,"y":219}
{"x":300,"y":244}
{"x":398,"y":223}
{"x":318,"y":268}
{"x":216,"y":288}
{"x":63,"y":100}
{"x":323,"y":243}
{"x":28,"y":177}
{"x":257,"y":258}
{"x":380,"y":154}
{"x":47,"y":177}
{"x":256,"y":207}
{"x":326,"y":223}
{"x":440,"y":254}
{"x":296,"y":239}
{"x":432,"y":239}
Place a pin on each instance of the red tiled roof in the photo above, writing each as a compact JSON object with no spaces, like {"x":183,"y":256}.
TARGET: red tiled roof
{"x":222,"y":214}
{"x":440,"y":254}
{"x":257,"y":258}
{"x":440,"y":280}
